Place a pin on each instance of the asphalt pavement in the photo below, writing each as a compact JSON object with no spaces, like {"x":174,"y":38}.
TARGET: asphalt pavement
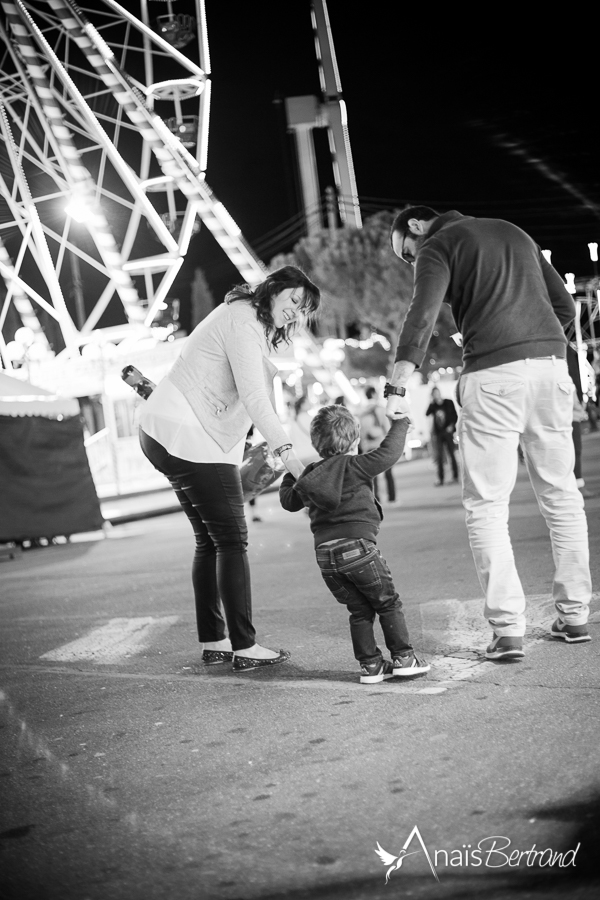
{"x":129,"y":770}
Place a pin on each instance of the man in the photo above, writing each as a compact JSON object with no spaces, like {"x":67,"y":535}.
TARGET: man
{"x":511,"y":307}
{"x":443,"y":426}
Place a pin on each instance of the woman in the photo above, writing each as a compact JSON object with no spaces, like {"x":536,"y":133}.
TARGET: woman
{"x":193,"y":429}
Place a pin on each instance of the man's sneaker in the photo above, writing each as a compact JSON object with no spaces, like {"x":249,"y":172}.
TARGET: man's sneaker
{"x":371,"y":673}
{"x":409,"y":664}
{"x":505,"y":648}
{"x":572,"y":634}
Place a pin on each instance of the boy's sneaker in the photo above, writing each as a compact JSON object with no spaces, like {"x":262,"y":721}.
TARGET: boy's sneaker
{"x":505,"y":648}
{"x":409,"y":664}
{"x":572,"y":634}
{"x":371,"y":673}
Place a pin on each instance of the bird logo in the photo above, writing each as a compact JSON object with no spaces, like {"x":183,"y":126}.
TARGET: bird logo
{"x":394,"y":862}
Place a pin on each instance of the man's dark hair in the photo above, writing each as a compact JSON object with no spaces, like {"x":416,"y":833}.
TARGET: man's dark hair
{"x":400,"y":223}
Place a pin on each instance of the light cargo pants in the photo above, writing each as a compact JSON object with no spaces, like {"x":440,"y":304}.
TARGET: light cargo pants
{"x":528,"y":401}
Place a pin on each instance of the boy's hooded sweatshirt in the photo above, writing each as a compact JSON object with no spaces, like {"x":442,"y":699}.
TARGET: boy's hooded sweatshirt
{"x":338,"y":491}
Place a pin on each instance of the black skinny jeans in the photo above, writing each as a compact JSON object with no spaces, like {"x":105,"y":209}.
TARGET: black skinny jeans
{"x":211,"y":496}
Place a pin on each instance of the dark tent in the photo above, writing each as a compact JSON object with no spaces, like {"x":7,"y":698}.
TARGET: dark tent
{"x":46,"y":487}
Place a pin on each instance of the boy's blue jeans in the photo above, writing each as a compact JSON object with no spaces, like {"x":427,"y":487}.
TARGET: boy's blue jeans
{"x":359,"y":577}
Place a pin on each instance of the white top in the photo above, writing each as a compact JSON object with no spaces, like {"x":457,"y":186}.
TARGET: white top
{"x":225,"y":374}
{"x":168,"y":418}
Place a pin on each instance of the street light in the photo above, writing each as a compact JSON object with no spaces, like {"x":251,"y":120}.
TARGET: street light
{"x":593,"y":248}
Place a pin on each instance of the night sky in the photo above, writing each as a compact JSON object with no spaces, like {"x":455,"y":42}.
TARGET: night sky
{"x":486,"y":112}
{"x":478,"y":112}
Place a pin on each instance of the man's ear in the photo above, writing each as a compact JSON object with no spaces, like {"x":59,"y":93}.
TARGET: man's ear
{"x":417,"y":226}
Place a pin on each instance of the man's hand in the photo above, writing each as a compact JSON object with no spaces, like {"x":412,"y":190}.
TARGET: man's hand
{"x":398,"y":408}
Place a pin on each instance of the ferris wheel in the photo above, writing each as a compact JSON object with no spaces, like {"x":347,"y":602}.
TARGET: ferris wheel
{"x":104,"y":116}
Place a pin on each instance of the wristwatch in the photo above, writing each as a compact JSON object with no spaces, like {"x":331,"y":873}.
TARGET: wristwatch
{"x":390,"y":389}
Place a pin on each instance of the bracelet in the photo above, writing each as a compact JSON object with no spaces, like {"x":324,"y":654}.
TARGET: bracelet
{"x":281,"y":449}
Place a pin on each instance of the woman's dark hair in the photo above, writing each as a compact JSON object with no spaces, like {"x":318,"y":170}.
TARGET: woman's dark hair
{"x":400,"y":223}
{"x":261,"y":296}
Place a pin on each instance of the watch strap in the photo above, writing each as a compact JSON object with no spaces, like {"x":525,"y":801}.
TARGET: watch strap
{"x":389,"y":389}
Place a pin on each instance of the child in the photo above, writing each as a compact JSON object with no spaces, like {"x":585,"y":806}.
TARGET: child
{"x":345,"y":518}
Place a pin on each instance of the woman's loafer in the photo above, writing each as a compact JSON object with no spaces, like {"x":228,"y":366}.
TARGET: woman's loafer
{"x":214,"y":657}
{"x":246,"y":663}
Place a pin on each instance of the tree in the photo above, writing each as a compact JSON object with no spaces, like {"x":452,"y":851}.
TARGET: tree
{"x":202,"y":299}
{"x":365,"y":286}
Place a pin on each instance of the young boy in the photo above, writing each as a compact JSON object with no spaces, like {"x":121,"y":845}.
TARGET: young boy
{"x":345,"y":518}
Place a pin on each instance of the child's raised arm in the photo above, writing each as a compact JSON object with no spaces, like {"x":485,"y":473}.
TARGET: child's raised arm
{"x":389,"y":451}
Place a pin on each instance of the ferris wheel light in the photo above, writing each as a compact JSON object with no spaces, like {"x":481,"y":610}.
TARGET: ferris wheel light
{"x":593,"y":248}
{"x":547,"y":254}
{"x":570,"y":283}
{"x":121,"y":172}
{"x":24,"y":336}
{"x":77,"y":209}
{"x":15,"y":350}
{"x":91,"y":351}
{"x":38,"y":351}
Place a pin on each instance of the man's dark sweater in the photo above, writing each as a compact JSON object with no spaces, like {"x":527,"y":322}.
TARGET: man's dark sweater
{"x":338,"y":491}
{"x":508,"y":302}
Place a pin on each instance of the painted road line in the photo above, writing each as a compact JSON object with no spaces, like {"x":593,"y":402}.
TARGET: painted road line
{"x":396,"y":686}
{"x":453,"y":636}
{"x":114,"y":642}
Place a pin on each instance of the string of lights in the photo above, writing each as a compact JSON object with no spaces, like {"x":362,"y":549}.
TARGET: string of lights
{"x":550,"y":217}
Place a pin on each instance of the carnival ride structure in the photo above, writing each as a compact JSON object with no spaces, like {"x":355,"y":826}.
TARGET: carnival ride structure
{"x":104,"y":133}
{"x":104,"y":125}
{"x":104,"y":119}
{"x":304,"y":114}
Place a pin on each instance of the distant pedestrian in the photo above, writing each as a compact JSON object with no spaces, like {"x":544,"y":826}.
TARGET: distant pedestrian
{"x":511,"y":307}
{"x":255,"y":515}
{"x":345,"y":519}
{"x":193,"y":429}
{"x":374,"y":425}
{"x":443,"y":427}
